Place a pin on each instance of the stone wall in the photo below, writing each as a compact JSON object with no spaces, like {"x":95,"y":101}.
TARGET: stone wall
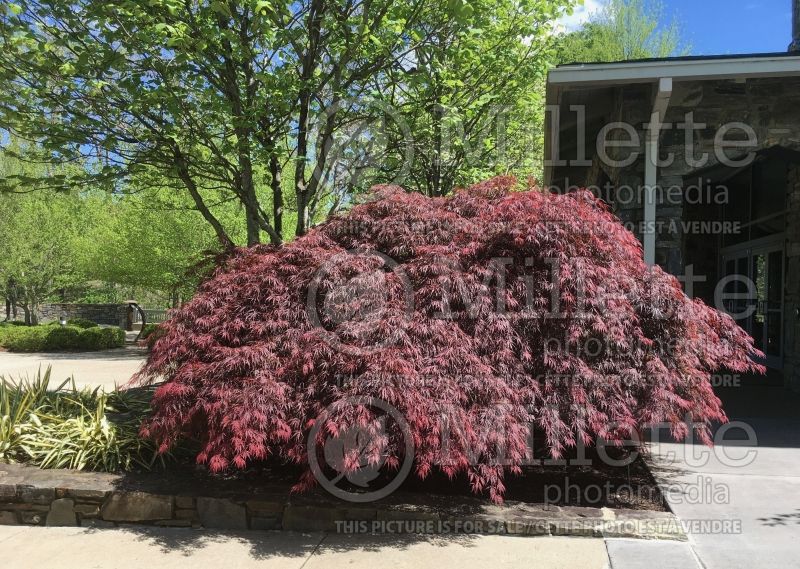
{"x":30,"y":496}
{"x":106,"y":314}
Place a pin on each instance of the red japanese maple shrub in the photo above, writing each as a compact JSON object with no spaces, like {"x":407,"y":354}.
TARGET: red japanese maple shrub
{"x":480,"y":317}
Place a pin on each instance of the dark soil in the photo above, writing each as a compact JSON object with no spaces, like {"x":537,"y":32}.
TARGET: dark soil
{"x":595,"y":485}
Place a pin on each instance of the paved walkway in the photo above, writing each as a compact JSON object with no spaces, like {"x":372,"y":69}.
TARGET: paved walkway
{"x":107,"y":368}
{"x":751,"y":491}
{"x":640,"y":554}
{"x":68,"y":548}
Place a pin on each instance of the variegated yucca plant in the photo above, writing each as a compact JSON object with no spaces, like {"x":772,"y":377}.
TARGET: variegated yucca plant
{"x":67,"y":427}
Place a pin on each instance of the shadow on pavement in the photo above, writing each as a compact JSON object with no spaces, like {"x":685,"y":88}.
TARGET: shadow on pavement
{"x":118,"y":354}
{"x":265,"y":545}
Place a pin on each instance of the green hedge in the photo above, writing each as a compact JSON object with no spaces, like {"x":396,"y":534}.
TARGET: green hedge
{"x":81,"y":323}
{"x":147,"y":331}
{"x":55,"y":338}
{"x":66,"y":338}
{"x":101,"y":338}
{"x":26,"y":338}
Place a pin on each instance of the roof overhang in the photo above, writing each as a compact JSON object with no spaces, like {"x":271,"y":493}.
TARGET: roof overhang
{"x":681,"y":69}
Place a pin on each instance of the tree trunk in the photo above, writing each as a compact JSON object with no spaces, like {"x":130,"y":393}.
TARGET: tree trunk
{"x":314,"y":27}
{"x":33,"y":306}
{"x":182,"y":166}
{"x":253,"y":227}
{"x":277,"y":194}
{"x":12,"y":300}
{"x":247,"y":188}
{"x":27,"y":314}
{"x":302,"y":213}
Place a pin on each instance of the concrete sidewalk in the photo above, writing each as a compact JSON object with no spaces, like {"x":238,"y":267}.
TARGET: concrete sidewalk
{"x":156,"y":548}
{"x":741,"y":500}
{"x":108,"y":368}
{"x":640,"y":554}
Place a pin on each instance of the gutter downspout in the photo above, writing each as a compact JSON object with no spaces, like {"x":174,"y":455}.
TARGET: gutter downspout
{"x":660,"y":105}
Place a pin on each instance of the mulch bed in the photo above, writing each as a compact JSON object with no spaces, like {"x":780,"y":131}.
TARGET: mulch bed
{"x":594,"y":486}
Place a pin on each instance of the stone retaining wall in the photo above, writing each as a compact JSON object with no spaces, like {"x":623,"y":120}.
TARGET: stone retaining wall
{"x":29,"y":496}
{"x":106,"y":314}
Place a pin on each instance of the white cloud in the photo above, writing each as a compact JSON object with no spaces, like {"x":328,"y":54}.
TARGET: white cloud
{"x":581,"y":15}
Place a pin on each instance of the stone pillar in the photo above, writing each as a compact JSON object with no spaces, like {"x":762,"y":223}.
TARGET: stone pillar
{"x":631,"y":106}
{"x":795,"y":46}
{"x":669,"y":217}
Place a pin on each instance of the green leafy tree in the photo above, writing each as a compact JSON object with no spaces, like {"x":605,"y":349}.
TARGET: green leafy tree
{"x":166,"y":86}
{"x":244,"y":100}
{"x":39,"y":234}
{"x":76,"y":244}
{"x":624,"y":30}
{"x":466,"y":103}
{"x":152,"y":240}
{"x":201,"y":92}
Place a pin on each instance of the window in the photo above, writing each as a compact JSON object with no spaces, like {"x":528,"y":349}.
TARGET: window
{"x":757,"y":200}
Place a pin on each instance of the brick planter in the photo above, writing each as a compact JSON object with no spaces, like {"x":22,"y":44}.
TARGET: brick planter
{"x":31,"y":496}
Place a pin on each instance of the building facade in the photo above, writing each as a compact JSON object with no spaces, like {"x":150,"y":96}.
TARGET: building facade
{"x":700,"y":157}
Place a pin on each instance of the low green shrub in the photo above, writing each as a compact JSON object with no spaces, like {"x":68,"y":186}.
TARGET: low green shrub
{"x":147,"y":331}
{"x":7,"y":328}
{"x":81,"y":323}
{"x":70,"y":428}
{"x":150,"y":334}
{"x":26,"y":338}
{"x":55,"y":338}
{"x":58,"y":339}
{"x":93,"y":339}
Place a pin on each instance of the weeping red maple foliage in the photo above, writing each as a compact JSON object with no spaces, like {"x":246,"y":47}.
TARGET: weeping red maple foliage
{"x":482,"y":317}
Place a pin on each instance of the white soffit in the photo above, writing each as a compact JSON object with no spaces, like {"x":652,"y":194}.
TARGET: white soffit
{"x":678,"y":70}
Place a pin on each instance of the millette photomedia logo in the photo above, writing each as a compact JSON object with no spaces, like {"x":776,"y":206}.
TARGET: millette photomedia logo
{"x":369,"y":458}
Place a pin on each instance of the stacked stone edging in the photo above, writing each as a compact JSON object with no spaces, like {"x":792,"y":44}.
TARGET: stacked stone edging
{"x":30,"y":496}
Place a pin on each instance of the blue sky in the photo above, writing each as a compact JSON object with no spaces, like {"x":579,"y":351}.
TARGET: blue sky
{"x":734,"y":26}
{"x":724,"y":26}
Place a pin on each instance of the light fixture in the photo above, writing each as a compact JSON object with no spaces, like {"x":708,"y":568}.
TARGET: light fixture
{"x":63,"y":320}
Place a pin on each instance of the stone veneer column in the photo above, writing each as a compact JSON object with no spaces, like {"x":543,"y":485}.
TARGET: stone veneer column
{"x":632,"y":104}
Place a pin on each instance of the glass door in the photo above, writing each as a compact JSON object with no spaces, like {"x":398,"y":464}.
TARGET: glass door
{"x":753,"y":294}
{"x":767,"y":275}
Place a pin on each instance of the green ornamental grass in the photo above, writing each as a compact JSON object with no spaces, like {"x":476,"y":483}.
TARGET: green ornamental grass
{"x":67,"y":427}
